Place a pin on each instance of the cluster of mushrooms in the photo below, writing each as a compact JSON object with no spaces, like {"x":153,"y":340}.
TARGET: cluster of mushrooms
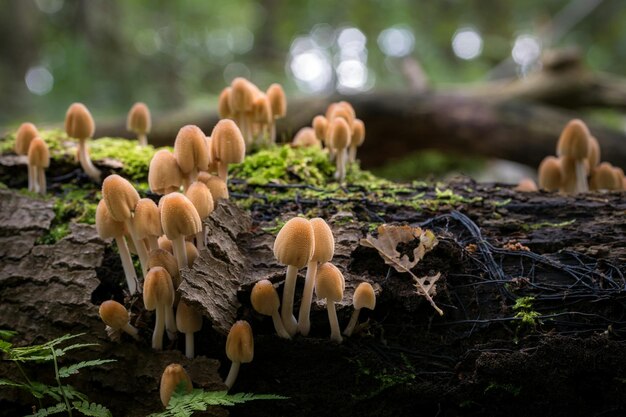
{"x":29,"y":143}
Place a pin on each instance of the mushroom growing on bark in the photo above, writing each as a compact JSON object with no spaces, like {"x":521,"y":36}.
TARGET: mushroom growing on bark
{"x":38,"y":161}
{"x":358,"y":137}
{"x":278,"y":103}
{"x":550,"y":176}
{"x":24,"y":135}
{"x":603,"y":178}
{"x":147,"y":221}
{"x":80,"y":125}
{"x":364,"y":297}
{"x":200,"y":196}
{"x":164,"y":174}
{"x":265,"y":301}
{"x":172,"y":377}
{"x":216,"y":185}
{"x":191,"y":153}
{"x":188,"y":321}
{"x":239,"y":349}
{"x":324,"y":249}
{"x":158,"y":294}
{"x":115,"y":315}
{"x":179,"y":219}
{"x":139,"y":122}
{"x":339,"y":138}
{"x":329,"y":284}
{"x":320,"y":125}
{"x":228,"y":146}
{"x":293,"y":247}
{"x":574,"y":143}
{"x":242,"y":96}
{"x":223,"y":104}
{"x":164,"y":259}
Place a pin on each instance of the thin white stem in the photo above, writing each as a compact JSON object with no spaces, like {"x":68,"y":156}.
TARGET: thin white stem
{"x":335,"y":332}
{"x":131,"y":330}
{"x":85,"y":161}
{"x":41,"y":180}
{"x":352,"y":323}
{"x":31,"y":178}
{"x":159,"y":328}
{"x":153,"y":242}
{"x":186,"y":182}
{"x":143,"y":139}
{"x":286,"y":308}
{"x":200,"y":239}
{"x":304,"y":322}
{"x":189,"y":347}
{"x":581,"y":177}
{"x":331,"y":154}
{"x":352,"y":154}
{"x":127,"y":264}
{"x":340,"y":174}
{"x":140,"y":247}
{"x":222,"y":170}
{"x":278,"y":325}
{"x":180,"y":252}
{"x":232,"y":374}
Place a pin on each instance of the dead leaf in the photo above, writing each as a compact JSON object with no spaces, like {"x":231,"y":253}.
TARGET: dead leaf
{"x":427,"y":283}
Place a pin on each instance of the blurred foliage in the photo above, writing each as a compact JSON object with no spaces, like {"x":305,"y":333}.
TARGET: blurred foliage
{"x":109,"y":54}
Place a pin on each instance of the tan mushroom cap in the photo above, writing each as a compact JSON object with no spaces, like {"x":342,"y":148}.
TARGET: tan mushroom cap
{"x":173,"y":375}
{"x":216,"y":185}
{"x":594,"y":152}
{"x":278,"y":100}
{"x":619,"y":177}
{"x":342,"y":112}
{"x":339,"y":133}
{"x":305,"y":137}
{"x":295,"y":243}
{"x":200,"y":196}
{"x":38,"y":153}
{"x":240,"y":342}
{"x":324,"y":241}
{"x":364,"y":296}
{"x":262,"y":110}
{"x":164,"y":259}
{"x":526,"y":185}
{"x":157,"y":288}
{"x":223,"y":104}
{"x":574,"y":140}
{"x":227,"y":142}
{"x":24,"y":135}
{"x":190,"y":149}
{"x":106,"y":226}
{"x":179,"y":217}
{"x":192,"y":253}
{"x":358,"y":133}
{"x":147,"y":219}
{"x":78,"y":122}
{"x":603,"y":178}
{"x":329,"y":282}
{"x":165,"y":244}
{"x":120,"y":197}
{"x":320,"y":125}
{"x":550,"y":175}
{"x":188,"y":320}
{"x":264,"y":298}
{"x":164,"y":174}
{"x":113,"y":314}
{"x":242,"y":95}
{"x":139,"y":119}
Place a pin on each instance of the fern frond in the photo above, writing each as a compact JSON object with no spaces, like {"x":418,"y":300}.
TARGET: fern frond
{"x":43,"y":412}
{"x":68,"y":391}
{"x":8,"y":383}
{"x":7,"y":334}
{"x":66,"y":371}
{"x":91,"y":409}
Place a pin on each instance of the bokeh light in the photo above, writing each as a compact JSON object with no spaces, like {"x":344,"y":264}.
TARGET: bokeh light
{"x":39,"y":80}
{"x":396,"y":41}
{"x":49,"y":6}
{"x":467,"y":43}
{"x":526,"y":50}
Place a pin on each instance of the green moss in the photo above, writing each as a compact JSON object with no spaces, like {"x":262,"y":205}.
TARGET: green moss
{"x":56,"y":233}
{"x":541,"y":225}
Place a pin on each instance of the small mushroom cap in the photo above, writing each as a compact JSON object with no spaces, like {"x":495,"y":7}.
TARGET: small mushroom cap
{"x":158,"y":288}
{"x":113,"y":314}
{"x":343,"y":112}
{"x":550,"y":175}
{"x":305,"y":137}
{"x":188,"y":320}
{"x":526,"y":185}
{"x":278,"y":100}
{"x":173,"y":375}
{"x":164,"y":174}
{"x":320,"y":125}
{"x":295,"y":243}
{"x":200,"y":196}
{"x":190,"y":149}
{"x":147,"y":219}
{"x":339,"y":133}
{"x":120,"y":197}
{"x":329,"y":282}
{"x":178,"y":216}
{"x":165,"y":244}
{"x":241,"y":95}
{"x":264,"y":298}
{"x":216,"y":185}
{"x":38,"y":153}
{"x":139,"y":120}
{"x":358,"y":133}
{"x":78,"y":122}
{"x":192,"y":253}
{"x":574,"y":140}
{"x":619,"y":177}
{"x":262,"y":110}
{"x":240,"y":342}
{"x":25,"y":133}
{"x":228,"y":143}
{"x":106,"y":226}
{"x":324,"y":241}
{"x":164,"y":259}
{"x":594,"y":152}
{"x":223,"y":104}
{"x":603,"y":178}
{"x":364,"y":296}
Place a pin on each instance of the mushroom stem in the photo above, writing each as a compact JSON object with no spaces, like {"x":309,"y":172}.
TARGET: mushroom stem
{"x":127,"y":264}
{"x":143,"y":139}
{"x":159,"y":328}
{"x":131,"y":330}
{"x":41,"y":179}
{"x":278,"y":325}
{"x":304,"y":324}
{"x":340,"y":174}
{"x":352,"y":154}
{"x":153,"y":242}
{"x":139,"y":246}
{"x":189,"y":346}
{"x":352,"y":323}
{"x":222,"y":170}
{"x":335,"y":332}
{"x":31,"y":178}
{"x":178,"y":245}
{"x":200,"y":243}
{"x":273,"y":131}
{"x":232,"y":374}
{"x":85,"y":161}
{"x":170,"y":322}
{"x":581,"y":177}
{"x":286,"y":308}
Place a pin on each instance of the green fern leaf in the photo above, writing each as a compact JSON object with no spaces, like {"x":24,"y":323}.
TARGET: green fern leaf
{"x":91,"y":409}
{"x":66,"y":371}
{"x":7,"y":334}
{"x":43,"y":412}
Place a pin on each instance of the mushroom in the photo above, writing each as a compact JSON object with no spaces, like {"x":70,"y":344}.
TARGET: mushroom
{"x":526,"y":185}
{"x":115,"y":315}
{"x":294,"y":246}
{"x":594,"y":152}
{"x":265,"y":301}
{"x":569,"y":176}
{"x":358,"y":137}
{"x":107,"y":227}
{"x":603,"y":178}
{"x":278,"y":103}
{"x":305,"y":137}
{"x":172,"y":377}
{"x":217,"y":186}
{"x":139,"y":122}
{"x":191,"y":153}
{"x":574,"y":143}
{"x":179,"y":218}
{"x":164,"y":259}
{"x":223,"y":104}
{"x":166,"y":244}
{"x":239,"y":349}
{"x":242,"y":96}
{"x":121,"y":199}
{"x":550,"y":175}
{"x":38,"y":161}
{"x":364,"y":297}
{"x":188,"y":321}
{"x":320,"y":125}
{"x":329,"y":284}
{"x":164,"y":174}
{"x":158,"y":294}
{"x":200,"y":196}
{"x":24,"y":135}
{"x":192,"y":253}
{"x":339,"y":138}
{"x":323,"y":252}
{"x":262,"y":116}
{"x":80,"y":125}
{"x":228,"y":146}
{"x":147,"y":222}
